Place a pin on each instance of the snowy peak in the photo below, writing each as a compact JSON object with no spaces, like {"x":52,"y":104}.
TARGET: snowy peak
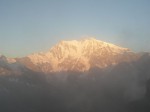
{"x":86,"y":48}
{"x":97,"y":43}
{"x":80,"y":56}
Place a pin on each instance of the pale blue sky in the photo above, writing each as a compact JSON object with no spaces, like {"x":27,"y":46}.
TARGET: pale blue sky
{"x":28,"y":26}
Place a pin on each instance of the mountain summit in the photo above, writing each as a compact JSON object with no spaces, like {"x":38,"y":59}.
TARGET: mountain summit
{"x":78,"y":56}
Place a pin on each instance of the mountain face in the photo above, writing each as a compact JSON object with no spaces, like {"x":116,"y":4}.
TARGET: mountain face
{"x":78,"y":56}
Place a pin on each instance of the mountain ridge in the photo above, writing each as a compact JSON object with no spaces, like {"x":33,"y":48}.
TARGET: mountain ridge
{"x":79,"y":56}
{"x":74,"y":55}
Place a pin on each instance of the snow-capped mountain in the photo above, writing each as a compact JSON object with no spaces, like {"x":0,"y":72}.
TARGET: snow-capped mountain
{"x":79,"y":55}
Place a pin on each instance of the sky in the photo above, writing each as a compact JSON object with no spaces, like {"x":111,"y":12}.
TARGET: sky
{"x":28,"y":26}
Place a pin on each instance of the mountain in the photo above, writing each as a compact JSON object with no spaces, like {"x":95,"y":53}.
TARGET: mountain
{"x":85,"y":76}
{"x":79,"y":56}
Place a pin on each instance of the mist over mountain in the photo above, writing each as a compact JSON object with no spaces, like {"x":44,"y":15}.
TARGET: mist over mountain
{"x":76,"y":76}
